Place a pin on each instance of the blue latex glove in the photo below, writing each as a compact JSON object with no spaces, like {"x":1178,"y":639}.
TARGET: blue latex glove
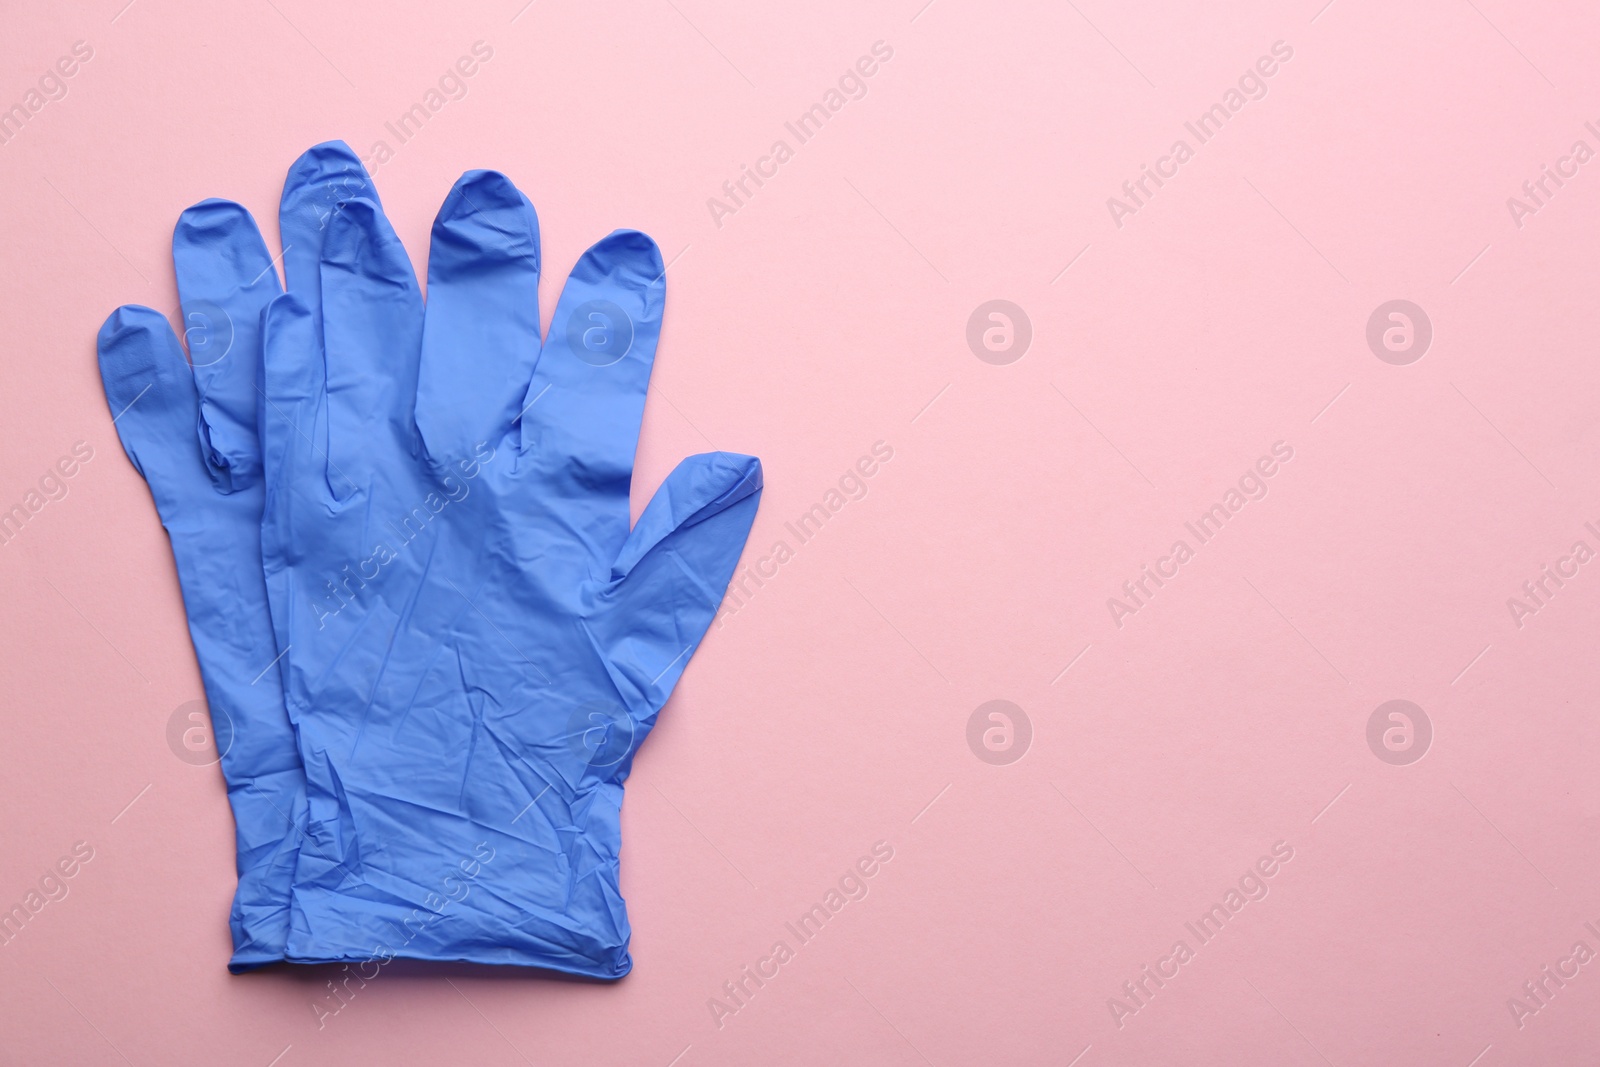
{"x":193,"y":435}
{"x":475,"y":642}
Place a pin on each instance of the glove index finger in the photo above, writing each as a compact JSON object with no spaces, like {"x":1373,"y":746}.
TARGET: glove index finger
{"x":581,"y":417}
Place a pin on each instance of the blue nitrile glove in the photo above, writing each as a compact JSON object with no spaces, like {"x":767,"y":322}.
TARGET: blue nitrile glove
{"x":193,"y":436}
{"x":475,"y":642}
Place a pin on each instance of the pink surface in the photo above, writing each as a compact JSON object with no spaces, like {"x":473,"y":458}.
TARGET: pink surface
{"x":1169,"y":749}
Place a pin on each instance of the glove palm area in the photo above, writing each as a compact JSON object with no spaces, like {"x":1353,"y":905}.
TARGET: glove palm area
{"x":474,"y":640}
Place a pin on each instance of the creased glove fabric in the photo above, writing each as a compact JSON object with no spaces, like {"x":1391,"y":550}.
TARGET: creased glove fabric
{"x":193,"y":434}
{"x":474,"y":642}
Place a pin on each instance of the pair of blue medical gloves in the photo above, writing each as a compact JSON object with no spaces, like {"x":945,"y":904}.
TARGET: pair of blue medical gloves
{"x":401,"y":527}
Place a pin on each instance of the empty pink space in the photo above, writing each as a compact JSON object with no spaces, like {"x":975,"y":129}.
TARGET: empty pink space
{"x":1177,"y":578}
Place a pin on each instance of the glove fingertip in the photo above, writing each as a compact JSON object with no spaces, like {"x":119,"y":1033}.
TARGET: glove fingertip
{"x":151,"y":393}
{"x":742,"y":474}
{"x":700,"y":488}
{"x":485,"y":218}
{"x":212,"y":221}
{"x":708,"y":483}
{"x":314,"y":192}
{"x":331,"y":164}
{"x":361,"y":242}
{"x":124,"y":320}
{"x":482,"y":191}
{"x":138,"y":352}
{"x":288,"y":333}
{"x":623,"y":257}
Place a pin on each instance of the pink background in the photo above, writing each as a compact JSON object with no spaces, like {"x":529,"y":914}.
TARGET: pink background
{"x":830,"y":712}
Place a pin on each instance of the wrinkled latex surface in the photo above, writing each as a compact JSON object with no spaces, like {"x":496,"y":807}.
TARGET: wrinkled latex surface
{"x":193,"y":434}
{"x":473,"y":641}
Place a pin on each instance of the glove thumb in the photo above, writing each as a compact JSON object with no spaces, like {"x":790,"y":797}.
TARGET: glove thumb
{"x":669,"y":578}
